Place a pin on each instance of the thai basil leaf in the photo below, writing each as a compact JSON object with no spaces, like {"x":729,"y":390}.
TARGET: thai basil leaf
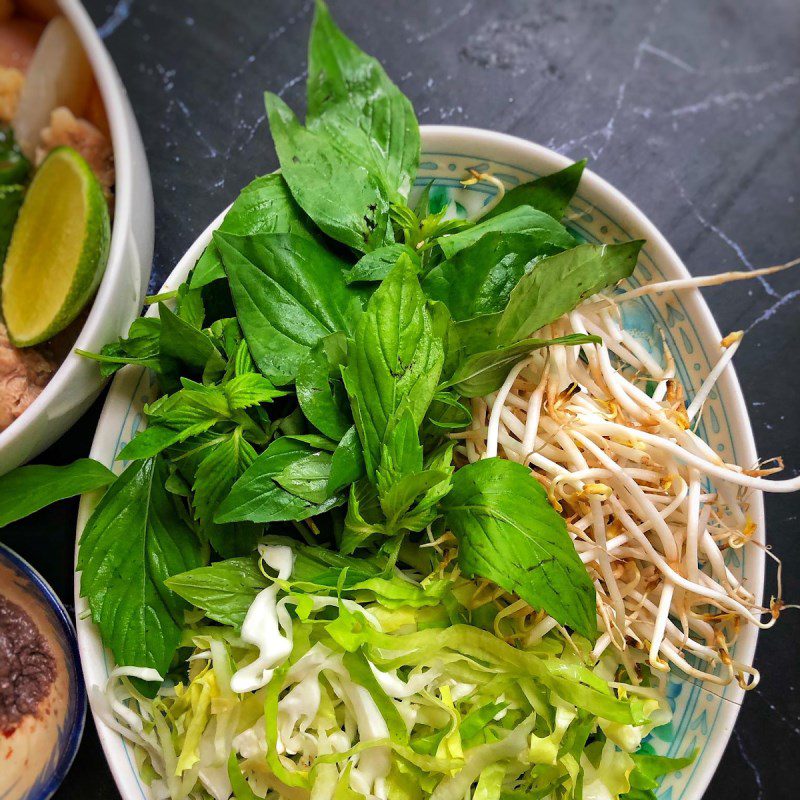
{"x":224,"y":591}
{"x":315,"y":440}
{"x":189,"y":306}
{"x":559,"y":283}
{"x":401,"y":452}
{"x":347,"y":464}
{"x":550,"y":193}
{"x":348,"y":88}
{"x":479,"y":279}
{"x":375,"y":266}
{"x":649,"y":767}
{"x":345,"y":199}
{"x":509,"y":533}
{"x":364,"y":517}
{"x":182,"y":341}
{"x":543,"y":229}
{"x":264,"y":206}
{"x":154,"y":439}
{"x":307,"y":477}
{"x":25,"y":490}
{"x":410,"y":503}
{"x":234,"y":539}
{"x":320,"y":567}
{"x":289,"y":293}
{"x":136,"y":539}
{"x":447,"y":412}
{"x":320,"y":391}
{"x":483,"y":373}
{"x":141,"y":347}
{"x":257,"y":497}
{"x":395,"y":361}
{"x":473,"y":335}
{"x":447,"y":330}
{"x":403,"y":483}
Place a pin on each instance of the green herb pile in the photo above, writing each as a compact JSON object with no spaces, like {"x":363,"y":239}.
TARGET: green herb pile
{"x":319,"y":354}
{"x":312,"y":366}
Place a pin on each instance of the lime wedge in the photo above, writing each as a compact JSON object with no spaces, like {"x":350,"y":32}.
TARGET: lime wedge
{"x":58,"y":249}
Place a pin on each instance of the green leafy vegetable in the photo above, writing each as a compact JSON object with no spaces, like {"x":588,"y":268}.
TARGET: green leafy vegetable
{"x":141,"y":347}
{"x":224,"y":590}
{"x":550,"y":193}
{"x":328,"y":180}
{"x":482,"y":373}
{"x":219,"y":468}
{"x":347,"y":463}
{"x":307,"y":477}
{"x":320,"y":391}
{"x":180,"y":340}
{"x":14,"y":167}
{"x":509,"y":533}
{"x":258,"y":496}
{"x":395,"y":361}
{"x":348,"y":89}
{"x":541,"y":228}
{"x":648,"y":768}
{"x":375,"y":266}
{"x":402,"y":482}
{"x":264,"y":206}
{"x":25,"y":490}
{"x":197,"y":408}
{"x":11,"y":197}
{"x":558,"y":283}
{"x":136,"y":539}
{"x":479,"y":279}
{"x":289,"y":293}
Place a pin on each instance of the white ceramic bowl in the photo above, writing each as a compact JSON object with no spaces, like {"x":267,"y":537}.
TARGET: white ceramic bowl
{"x":121,"y":294}
{"x":702,"y":720}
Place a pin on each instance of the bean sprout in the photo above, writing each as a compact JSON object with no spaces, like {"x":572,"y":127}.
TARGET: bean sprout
{"x":651,"y":508}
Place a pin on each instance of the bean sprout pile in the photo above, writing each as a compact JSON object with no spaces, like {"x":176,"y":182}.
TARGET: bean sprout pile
{"x":651,"y":507}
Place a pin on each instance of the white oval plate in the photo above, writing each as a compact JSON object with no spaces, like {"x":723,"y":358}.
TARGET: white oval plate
{"x":702,"y":720}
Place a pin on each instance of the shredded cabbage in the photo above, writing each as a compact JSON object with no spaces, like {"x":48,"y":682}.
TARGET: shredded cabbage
{"x":337,"y":694}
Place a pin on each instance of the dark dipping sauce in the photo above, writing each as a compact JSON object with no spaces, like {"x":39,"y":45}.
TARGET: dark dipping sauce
{"x":27,"y":666}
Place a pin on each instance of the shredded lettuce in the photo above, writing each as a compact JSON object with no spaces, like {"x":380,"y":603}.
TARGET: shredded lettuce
{"x":382,"y":688}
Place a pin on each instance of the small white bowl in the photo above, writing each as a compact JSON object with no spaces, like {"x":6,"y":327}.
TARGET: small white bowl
{"x":703,"y":716}
{"x":119,"y":299}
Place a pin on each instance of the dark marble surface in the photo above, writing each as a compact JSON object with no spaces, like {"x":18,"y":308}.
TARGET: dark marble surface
{"x":691,"y":109}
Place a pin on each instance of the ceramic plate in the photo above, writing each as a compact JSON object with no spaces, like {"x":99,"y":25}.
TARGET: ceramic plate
{"x":702,"y":719}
